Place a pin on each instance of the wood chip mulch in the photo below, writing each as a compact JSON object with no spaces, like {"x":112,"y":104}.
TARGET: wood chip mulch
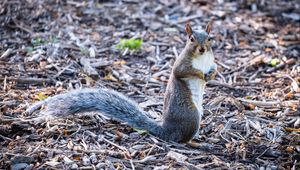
{"x":252,"y":109}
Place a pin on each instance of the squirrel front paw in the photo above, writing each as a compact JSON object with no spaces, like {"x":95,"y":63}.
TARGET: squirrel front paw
{"x":211,"y":74}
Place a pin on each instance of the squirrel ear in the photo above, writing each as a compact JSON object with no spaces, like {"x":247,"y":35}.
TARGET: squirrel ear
{"x":208,"y":27}
{"x":188,"y":29}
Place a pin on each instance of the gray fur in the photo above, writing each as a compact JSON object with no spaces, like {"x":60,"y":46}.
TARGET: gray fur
{"x":108,"y":102}
{"x":200,"y":36}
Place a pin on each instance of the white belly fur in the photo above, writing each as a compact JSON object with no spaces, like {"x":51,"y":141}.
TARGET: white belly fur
{"x":204,"y":63}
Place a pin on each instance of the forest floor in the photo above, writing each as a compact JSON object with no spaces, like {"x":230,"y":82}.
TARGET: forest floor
{"x":252,"y":109}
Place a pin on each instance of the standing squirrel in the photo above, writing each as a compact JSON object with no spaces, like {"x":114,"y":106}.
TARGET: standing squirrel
{"x":182,"y":109}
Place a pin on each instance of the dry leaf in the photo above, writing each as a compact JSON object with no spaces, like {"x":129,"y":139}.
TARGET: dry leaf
{"x":65,"y":131}
{"x":290,"y":130}
{"x":110,"y":77}
{"x":77,"y":157}
{"x":257,"y":60}
{"x":95,"y":36}
{"x":43,"y":64}
{"x":268,"y":49}
{"x":119,"y":135}
{"x":177,"y":156}
{"x":290,"y":149}
{"x":251,"y":106}
{"x":120,"y":62}
{"x":52,"y":163}
{"x":289,"y":95}
{"x":70,"y":145}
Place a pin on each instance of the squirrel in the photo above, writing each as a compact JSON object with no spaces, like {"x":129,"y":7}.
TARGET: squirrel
{"x":182,"y":110}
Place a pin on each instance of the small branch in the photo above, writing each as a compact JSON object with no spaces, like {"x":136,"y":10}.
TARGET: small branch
{"x":260,"y":103}
{"x":28,"y":80}
{"x":288,"y":103}
{"x":217,"y":83}
{"x":6,"y":54}
{"x":189,"y":18}
{"x":5,"y":138}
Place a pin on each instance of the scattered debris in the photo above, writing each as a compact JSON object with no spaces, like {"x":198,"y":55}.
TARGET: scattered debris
{"x":251,"y":111}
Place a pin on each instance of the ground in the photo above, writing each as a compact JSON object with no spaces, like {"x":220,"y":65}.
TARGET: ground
{"x":252,"y":110}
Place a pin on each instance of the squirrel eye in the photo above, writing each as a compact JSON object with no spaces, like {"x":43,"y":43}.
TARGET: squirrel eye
{"x":209,"y":39}
{"x":192,"y":38}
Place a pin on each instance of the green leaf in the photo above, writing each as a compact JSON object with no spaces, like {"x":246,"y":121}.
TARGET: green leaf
{"x":84,"y":51}
{"x":38,"y":42}
{"x":140,"y":131}
{"x":274,"y":62}
{"x":42,"y":96}
{"x":54,"y":40}
{"x":30,"y":50}
{"x":248,"y":97}
{"x":131,"y":44}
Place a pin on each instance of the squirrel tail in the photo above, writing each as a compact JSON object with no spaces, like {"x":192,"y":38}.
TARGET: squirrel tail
{"x":110,"y":103}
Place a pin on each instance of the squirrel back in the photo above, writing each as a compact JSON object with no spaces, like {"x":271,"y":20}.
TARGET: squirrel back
{"x":182,"y":103}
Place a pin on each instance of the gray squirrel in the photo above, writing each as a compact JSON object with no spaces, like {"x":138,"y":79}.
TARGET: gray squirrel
{"x":182,"y":109}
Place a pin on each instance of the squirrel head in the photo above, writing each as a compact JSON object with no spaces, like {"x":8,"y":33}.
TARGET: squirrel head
{"x":198,"y":41}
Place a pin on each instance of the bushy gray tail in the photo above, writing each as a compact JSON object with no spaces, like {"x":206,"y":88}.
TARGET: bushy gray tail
{"x":108,"y":102}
